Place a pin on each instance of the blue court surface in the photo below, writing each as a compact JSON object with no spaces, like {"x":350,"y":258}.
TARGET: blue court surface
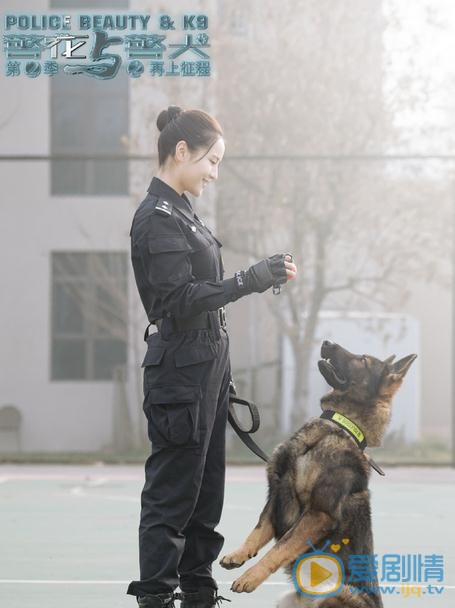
{"x":69,"y":533}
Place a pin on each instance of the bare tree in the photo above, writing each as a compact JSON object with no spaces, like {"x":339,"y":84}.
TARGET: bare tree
{"x":362,"y":229}
{"x":299,"y":89}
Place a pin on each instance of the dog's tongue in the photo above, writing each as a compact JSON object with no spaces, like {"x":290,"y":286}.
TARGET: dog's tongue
{"x":329,"y":373}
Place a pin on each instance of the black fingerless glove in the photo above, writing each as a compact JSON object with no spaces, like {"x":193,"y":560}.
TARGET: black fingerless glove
{"x":262,"y":275}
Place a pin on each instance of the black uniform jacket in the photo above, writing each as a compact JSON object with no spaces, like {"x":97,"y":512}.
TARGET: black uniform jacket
{"x":176,"y":259}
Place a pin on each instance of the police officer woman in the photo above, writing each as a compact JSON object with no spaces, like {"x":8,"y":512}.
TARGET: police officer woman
{"x":187,"y":374}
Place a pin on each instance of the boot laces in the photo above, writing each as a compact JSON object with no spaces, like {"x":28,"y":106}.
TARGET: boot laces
{"x":170,"y":603}
{"x":217,"y":599}
{"x":167,"y":602}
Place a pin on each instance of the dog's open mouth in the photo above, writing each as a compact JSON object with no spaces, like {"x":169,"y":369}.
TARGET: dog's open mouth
{"x":332,"y":375}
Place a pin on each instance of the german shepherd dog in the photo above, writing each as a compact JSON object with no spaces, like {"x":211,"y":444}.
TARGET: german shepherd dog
{"x":318,"y":481}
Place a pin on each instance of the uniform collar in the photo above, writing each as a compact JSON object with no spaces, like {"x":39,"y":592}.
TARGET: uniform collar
{"x":163,"y":190}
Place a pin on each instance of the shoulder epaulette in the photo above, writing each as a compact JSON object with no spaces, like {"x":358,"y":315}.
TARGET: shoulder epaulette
{"x":163,"y":207}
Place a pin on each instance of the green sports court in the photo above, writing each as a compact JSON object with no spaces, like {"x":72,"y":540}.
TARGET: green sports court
{"x":69,"y":533}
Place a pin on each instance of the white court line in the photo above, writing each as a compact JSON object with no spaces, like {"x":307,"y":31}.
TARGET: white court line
{"x":101,"y":582}
{"x":81,"y":491}
{"x":91,"y":483}
{"x":116,"y":478}
{"x":94,"y":582}
{"x":66,"y":477}
{"x":397,"y":514}
{"x":98,"y":481}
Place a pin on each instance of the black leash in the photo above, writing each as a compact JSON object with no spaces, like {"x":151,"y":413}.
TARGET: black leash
{"x":243,"y":433}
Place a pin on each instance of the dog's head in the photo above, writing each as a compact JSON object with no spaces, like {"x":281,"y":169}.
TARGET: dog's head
{"x":362,"y":378}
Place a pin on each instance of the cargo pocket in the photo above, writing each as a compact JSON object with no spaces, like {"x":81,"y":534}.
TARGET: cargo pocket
{"x":153,"y":356}
{"x":152,"y":360}
{"x":173,"y":415}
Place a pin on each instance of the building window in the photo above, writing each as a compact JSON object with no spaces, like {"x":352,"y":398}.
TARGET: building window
{"x":89,"y":117}
{"x":89,"y":314}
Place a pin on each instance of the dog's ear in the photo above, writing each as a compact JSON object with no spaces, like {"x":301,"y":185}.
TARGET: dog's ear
{"x":389,"y":359}
{"x":400,"y":368}
{"x":394,"y":373}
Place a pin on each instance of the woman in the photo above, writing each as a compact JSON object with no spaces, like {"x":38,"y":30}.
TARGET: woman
{"x":187,"y":375}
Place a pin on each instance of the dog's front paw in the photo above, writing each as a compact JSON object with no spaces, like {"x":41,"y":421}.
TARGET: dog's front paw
{"x":235,"y":559}
{"x":250,"y":580}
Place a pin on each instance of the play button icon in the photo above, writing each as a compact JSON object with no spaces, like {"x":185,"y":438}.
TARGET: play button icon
{"x":318,"y":574}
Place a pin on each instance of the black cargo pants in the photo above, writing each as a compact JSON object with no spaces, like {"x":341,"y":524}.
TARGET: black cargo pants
{"x":186,"y":398}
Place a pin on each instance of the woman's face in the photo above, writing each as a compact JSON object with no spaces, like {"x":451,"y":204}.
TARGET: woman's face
{"x":197,"y":172}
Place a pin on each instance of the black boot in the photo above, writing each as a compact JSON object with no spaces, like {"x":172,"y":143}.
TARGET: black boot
{"x":160,"y":600}
{"x":205,"y":597}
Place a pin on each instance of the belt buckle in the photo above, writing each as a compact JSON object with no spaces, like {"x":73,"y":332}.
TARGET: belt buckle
{"x":222,"y":316}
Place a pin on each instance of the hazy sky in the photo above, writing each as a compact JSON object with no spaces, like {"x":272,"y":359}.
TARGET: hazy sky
{"x":419,"y":64}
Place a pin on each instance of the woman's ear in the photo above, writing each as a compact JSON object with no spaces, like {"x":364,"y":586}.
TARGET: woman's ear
{"x":181,"y":151}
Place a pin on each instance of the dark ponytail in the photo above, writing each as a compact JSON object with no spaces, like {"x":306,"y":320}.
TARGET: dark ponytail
{"x":197,"y":128}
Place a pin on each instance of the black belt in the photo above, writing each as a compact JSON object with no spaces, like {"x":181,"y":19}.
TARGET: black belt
{"x":204,"y":320}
